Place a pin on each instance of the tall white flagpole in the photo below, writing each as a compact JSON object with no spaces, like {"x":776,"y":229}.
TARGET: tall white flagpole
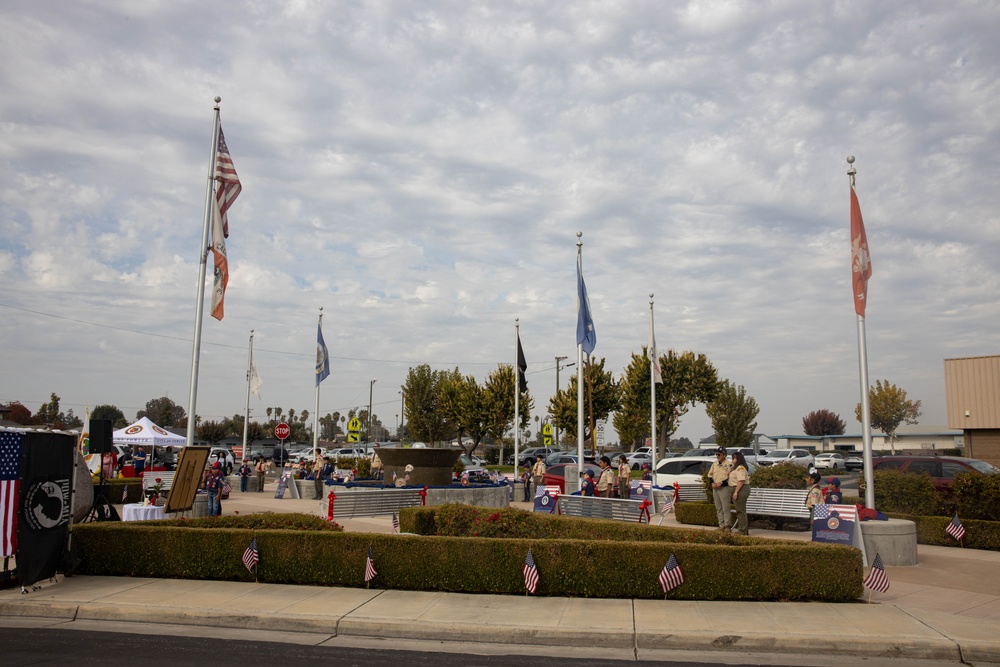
{"x":199,"y":314}
{"x":246,"y":414}
{"x":316,"y":408}
{"x":517,"y":394}
{"x":866,"y":422}
{"x":579,"y":386}
{"x":652,"y":402}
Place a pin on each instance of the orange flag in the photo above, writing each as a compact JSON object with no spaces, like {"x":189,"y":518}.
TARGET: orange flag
{"x":861,"y":262}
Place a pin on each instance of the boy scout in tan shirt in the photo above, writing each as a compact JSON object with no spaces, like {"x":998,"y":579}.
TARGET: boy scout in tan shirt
{"x":721,"y":493}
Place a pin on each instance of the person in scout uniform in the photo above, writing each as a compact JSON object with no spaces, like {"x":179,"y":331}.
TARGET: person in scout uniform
{"x":722,"y":495}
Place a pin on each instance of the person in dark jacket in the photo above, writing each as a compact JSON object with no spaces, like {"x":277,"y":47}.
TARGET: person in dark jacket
{"x":833,"y":494}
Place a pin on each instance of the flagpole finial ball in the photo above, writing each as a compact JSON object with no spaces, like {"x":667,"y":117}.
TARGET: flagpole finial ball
{"x":579,"y":235}
{"x":217,"y":99}
{"x":850,"y":159}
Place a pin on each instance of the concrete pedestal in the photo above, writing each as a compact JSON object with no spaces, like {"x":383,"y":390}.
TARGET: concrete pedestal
{"x":895,"y":540}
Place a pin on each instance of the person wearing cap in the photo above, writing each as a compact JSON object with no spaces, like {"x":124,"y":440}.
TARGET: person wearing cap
{"x":244,"y":472}
{"x":214,"y":487}
{"x":526,"y":480}
{"x":722,"y":495}
{"x":815,"y":494}
{"x":587,"y":487}
{"x":647,"y":474}
{"x":833,"y":494}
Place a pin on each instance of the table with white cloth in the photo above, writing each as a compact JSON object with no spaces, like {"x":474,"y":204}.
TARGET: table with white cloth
{"x":140,"y":512}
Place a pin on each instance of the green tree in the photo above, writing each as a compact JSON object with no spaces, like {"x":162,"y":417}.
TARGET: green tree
{"x":688,"y":379}
{"x":499,"y":401}
{"x":111,"y":412}
{"x":733,"y":415}
{"x":631,"y":420}
{"x":467,"y":404}
{"x":163,"y":412}
{"x":602,"y":396}
{"x":329,"y":426}
{"x":212,"y":431}
{"x":889,"y":408}
{"x":427,"y":421}
{"x":823,"y":422}
{"x":49,"y":414}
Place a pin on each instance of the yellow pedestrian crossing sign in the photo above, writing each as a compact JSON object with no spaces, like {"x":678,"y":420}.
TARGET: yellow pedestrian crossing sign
{"x":354,"y":430}
{"x":547,"y":434}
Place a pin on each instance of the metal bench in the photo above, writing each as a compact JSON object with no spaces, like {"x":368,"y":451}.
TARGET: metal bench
{"x":691,"y":493}
{"x":594,"y":507}
{"x":785,"y":503}
{"x":348,"y":504}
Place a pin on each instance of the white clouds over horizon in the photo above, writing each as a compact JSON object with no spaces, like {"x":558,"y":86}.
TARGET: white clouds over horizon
{"x":421,"y":173}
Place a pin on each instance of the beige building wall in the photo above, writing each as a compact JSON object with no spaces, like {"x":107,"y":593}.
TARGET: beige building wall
{"x":972,"y":389}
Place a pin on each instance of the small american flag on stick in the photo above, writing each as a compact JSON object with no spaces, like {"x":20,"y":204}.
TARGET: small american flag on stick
{"x":877,"y":579}
{"x":672,"y":576}
{"x":251,"y":556}
{"x":395,"y":522}
{"x":955,"y":528}
{"x":530,"y":574}
{"x":370,"y":570}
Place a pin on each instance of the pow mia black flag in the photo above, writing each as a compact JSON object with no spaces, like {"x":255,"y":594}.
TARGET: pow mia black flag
{"x":43,"y":516}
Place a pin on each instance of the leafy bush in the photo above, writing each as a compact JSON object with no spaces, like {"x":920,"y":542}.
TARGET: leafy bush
{"x":978,"y":534}
{"x":976,"y":496}
{"x":261,"y":521}
{"x":696,"y":514}
{"x":363,"y":467}
{"x":469,"y":521}
{"x":779,"y":476}
{"x":905,"y":493}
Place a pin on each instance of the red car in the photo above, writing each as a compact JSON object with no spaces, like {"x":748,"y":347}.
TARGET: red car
{"x":941,"y":469}
{"x":556,"y":475}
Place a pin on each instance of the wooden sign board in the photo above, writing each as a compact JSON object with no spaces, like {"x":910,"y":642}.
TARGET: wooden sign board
{"x":187,"y":479}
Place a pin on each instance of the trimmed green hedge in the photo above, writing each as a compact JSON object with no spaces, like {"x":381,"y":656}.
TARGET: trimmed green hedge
{"x":697,"y":514}
{"x":131,"y":485}
{"x":978,"y":534}
{"x":745,"y":569}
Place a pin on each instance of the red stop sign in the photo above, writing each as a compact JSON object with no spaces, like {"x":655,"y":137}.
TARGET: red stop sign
{"x":282,"y":431}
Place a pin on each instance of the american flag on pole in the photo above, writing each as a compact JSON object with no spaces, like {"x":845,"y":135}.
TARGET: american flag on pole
{"x":251,"y":556}
{"x":530,"y":574}
{"x":370,"y":571}
{"x":124,"y":492}
{"x":877,"y":579}
{"x":10,"y":486}
{"x":672,"y":576}
{"x":395,"y":522}
{"x":228,"y":190}
{"x":955,"y":528}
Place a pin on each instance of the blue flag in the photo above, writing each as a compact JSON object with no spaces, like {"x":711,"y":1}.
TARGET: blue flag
{"x":322,"y":356}
{"x":585,"y":334}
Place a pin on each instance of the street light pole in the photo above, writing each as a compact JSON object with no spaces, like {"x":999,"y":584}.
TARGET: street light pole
{"x":371,"y":387}
{"x":559,"y":361}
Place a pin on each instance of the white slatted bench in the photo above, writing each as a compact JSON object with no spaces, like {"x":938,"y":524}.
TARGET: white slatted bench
{"x":149,"y":478}
{"x":785,"y":503}
{"x":691,"y":493}
{"x":594,"y":507}
{"x":348,"y":504}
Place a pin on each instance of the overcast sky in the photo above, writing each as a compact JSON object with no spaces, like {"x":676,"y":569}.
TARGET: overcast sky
{"x":421,"y":170}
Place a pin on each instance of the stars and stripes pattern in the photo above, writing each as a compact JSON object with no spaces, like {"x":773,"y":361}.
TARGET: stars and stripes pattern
{"x":228,"y":190}
{"x":11,"y":444}
{"x":823,"y":511}
{"x":251,"y":556}
{"x":877,"y":580}
{"x":395,"y":522}
{"x":370,"y":570}
{"x":955,"y":528}
{"x":672,"y":576}
{"x":668,"y":506}
{"x":124,"y":492}
{"x":530,"y":574}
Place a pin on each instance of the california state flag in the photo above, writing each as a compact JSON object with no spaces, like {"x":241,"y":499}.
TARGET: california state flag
{"x":221,"y":262}
{"x":861,"y":263}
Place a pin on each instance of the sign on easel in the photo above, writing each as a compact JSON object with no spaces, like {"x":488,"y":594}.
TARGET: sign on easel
{"x":838,"y":524}
{"x":282,"y":484}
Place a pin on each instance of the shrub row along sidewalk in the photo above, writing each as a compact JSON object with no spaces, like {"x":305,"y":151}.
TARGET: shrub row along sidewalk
{"x":575,"y":557}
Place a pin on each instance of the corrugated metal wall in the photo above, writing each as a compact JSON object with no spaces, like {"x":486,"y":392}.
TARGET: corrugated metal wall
{"x":972,"y":387}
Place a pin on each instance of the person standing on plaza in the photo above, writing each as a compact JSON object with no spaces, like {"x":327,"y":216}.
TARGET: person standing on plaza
{"x":606,"y":482}
{"x":244,"y":473}
{"x":833,"y":493}
{"x":214,"y":487}
{"x":261,"y":473}
{"x":624,"y":478}
{"x":739,"y":482}
{"x":139,"y":461}
{"x":526,"y":480}
{"x":718,"y":474}
{"x":376,"y":463}
{"x":317,"y":470}
{"x":815,"y":494}
{"x":538,"y":473}
{"x":587,"y":487}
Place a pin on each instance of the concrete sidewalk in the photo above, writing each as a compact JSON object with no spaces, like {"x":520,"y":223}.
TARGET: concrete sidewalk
{"x":944,"y":609}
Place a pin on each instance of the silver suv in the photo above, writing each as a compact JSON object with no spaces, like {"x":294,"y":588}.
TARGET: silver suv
{"x":799,"y":457}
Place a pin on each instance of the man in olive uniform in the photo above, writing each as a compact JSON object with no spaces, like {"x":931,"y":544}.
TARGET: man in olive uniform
{"x":721,"y":493}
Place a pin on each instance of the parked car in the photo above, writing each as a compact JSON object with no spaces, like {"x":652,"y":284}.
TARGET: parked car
{"x":832,"y":460}
{"x":556,"y":475}
{"x":854,"y":461}
{"x":941,"y":469}
{"x":637,"y":459}
{"x":532,"y":453}
{"x":477,"y":473}
{"x":747,"y":453}
{"x":799,"y":457}
{"x":686,"y":469}
{"x":346,"y":452}
{"x":223,"y":456}
{"x":700,"y":451}
{"x":560,"y":457}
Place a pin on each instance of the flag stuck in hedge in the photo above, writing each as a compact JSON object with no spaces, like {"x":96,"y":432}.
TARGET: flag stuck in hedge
{"x":370,"y":571}
{"x":251,"y":556}
{"x":672,"y":576}
{"x":530,"y":574}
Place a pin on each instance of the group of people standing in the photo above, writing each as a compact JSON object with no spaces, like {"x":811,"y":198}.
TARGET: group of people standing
{"x":730,"y":480}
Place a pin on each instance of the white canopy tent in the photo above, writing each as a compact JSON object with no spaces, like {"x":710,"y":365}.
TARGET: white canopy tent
{"x":145,"y":433}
